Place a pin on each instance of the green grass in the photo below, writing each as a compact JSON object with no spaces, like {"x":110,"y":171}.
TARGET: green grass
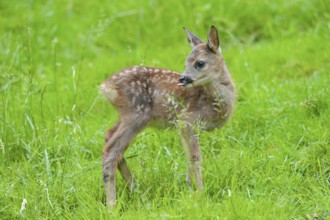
{"x":271,"y":161}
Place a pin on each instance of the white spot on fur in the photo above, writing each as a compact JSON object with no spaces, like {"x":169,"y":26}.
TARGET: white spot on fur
{"x":135,"y":68}
{"x":140,"y":108}
{"x":144,"y":69}
{"x":149,"y":91}
{"x":133,"y":90}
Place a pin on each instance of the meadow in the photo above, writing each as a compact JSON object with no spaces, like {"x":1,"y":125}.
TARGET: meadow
{"x":271,"y":161}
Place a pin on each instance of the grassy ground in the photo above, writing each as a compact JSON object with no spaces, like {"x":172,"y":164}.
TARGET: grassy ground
{"x":272,"y":161}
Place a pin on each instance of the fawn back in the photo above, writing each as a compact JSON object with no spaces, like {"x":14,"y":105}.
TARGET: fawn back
{"x":203,"y":95}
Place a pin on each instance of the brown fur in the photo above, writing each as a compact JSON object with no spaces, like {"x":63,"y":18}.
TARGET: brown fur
{"x":151,"y":96}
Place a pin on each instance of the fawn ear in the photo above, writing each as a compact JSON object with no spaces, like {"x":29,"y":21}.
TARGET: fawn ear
{"x":213,"y":40}
{"x":193,"y":40}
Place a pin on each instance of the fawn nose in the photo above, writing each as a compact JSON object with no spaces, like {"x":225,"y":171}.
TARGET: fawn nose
{"x":185,"y":80}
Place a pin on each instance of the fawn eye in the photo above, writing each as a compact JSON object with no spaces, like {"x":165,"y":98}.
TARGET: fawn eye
{"x":199,"y":64}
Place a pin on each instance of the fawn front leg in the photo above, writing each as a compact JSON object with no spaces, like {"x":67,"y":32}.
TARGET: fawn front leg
{"x":194,"y":156}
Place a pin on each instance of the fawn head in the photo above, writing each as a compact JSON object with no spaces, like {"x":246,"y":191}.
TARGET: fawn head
{"x":205,"y":62}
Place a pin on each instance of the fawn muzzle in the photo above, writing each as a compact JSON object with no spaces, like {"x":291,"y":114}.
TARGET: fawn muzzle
{"x":185,"y":80}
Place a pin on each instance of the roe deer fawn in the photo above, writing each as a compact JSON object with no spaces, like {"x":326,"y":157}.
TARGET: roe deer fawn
{"x":203,"y":95}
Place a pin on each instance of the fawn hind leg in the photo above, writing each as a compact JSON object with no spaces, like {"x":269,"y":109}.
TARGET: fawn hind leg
{"x":126,"y":174}
{"x":122,"y":165}
{"x":118,"y":139}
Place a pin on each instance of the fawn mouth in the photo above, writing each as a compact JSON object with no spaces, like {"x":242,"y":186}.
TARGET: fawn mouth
{"x":185,"y":80}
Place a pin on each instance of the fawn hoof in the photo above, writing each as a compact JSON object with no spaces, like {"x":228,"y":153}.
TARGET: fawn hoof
{"x":185,"y":80}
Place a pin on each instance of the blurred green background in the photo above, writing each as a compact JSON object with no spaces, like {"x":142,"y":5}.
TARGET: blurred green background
{"x":270,"y":162}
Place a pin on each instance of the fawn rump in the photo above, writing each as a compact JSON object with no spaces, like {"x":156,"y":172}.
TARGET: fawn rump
{"x":202,"y":96}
